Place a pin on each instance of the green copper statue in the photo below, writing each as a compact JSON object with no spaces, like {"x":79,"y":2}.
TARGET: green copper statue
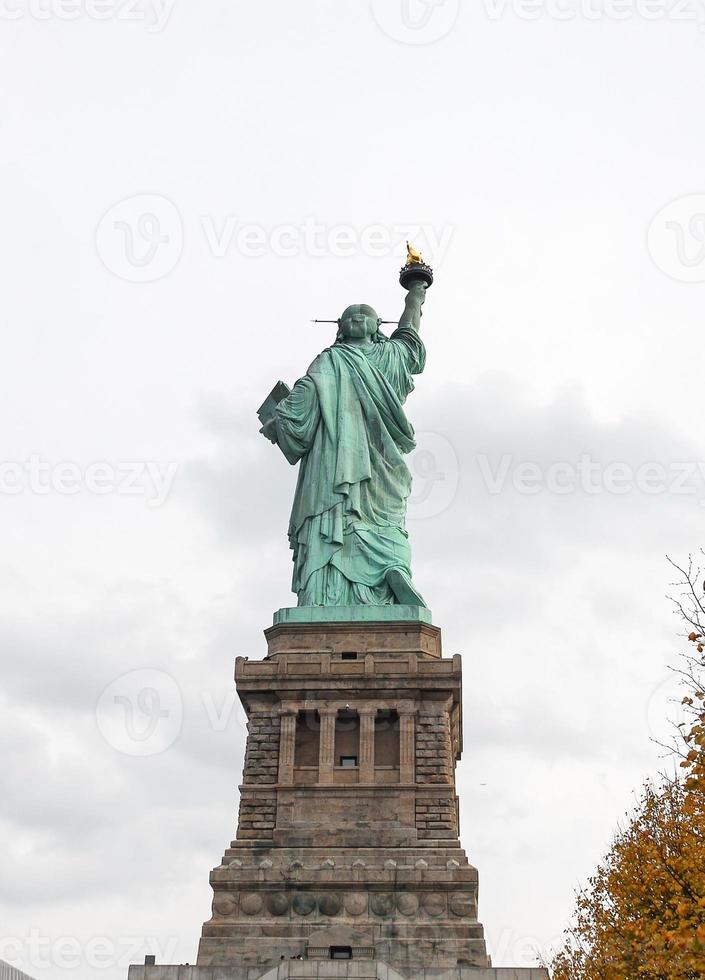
{"x":344,"y":422}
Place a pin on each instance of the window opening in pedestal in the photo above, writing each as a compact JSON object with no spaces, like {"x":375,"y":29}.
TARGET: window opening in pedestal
{"x":387,"y":739}
{"x":347,"y":737}
{"x":308,"y":738}
{"x":341,"y":953}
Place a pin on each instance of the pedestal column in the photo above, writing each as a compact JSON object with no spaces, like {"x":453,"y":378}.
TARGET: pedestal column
{"x":326,"y":757}
{"x":407,"y":747}
{"x":367,"y":744}
{"x":287,"y":745}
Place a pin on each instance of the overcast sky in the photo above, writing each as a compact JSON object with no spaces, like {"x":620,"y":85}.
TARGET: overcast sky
{"x":185,"y":186}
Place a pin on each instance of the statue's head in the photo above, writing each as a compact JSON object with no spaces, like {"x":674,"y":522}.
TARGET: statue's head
{"x":357,"y":322}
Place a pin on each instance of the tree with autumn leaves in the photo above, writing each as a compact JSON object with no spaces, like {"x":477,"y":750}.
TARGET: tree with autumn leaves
{"x":641,"y":915}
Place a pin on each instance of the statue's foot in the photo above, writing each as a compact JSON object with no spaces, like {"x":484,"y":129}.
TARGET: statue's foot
{"x":404,"y":592}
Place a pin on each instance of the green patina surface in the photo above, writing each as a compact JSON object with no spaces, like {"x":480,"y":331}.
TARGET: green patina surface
{"x":353,"y":614}
{"x":345,"y":425}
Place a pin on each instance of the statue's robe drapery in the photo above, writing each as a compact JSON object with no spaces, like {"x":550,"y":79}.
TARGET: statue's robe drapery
{"x":345,"y":421}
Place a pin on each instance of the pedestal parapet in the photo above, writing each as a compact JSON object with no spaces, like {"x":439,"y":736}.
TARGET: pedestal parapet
{"x":348,"y":810}
{"x":352,"y":614}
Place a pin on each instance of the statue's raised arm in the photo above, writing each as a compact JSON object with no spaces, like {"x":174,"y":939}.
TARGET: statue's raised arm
{"x":415,"y":299}
{"x":415,"y":277}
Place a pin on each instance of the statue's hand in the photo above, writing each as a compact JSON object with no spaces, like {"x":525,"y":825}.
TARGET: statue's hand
{"x":269,"y":430}
{"x":417,"y":292}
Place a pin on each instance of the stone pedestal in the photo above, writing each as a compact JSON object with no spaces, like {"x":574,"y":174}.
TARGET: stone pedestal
{"x":347,"y":842}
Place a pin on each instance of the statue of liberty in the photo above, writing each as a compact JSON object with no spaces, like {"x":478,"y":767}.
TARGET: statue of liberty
{"x":344,"y":423}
